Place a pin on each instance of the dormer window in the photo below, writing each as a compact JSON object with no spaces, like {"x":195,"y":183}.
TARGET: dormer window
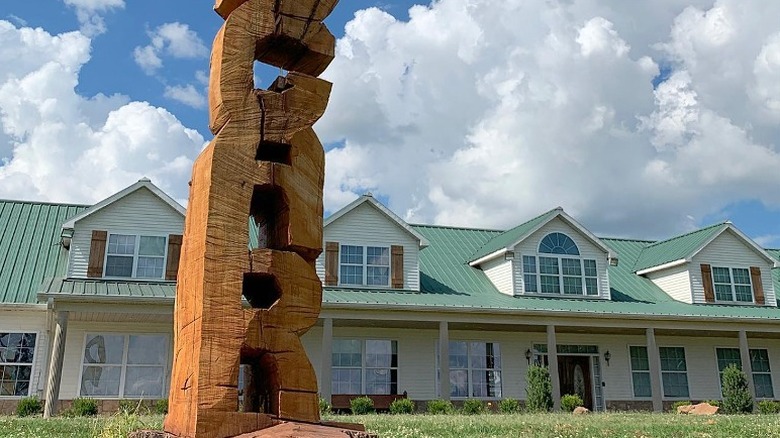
{"x":559,"y":269}
{"x":365,"y":265}
{"x":732,"y":284}
{"x":131,"y":256}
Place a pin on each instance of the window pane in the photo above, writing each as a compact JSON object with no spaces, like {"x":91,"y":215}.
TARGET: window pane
{"x":548,"y":265}
{"x":147,"y":350}
{"x":592,"y":286}
{"x":639,"y":361}
{"x":381,"y":354}
{"x":763,"y":384}
{"x":459,"y":383}
{"x":485,"y":383}
{"x":675,"y":384}
{"x":459,"y":355}
{"x":347,"y":381}
{"x":150,"y":267}
{"x":104,"y":349}
{"x":151,"y":246}
{"x":121,"y":244}
{"x":97,"y":381}
{"x":380,"y":381}
{"x":119,"y":266}
{"x":352,"y":254}
{"x":672,"y":358}
{"x":347,"y":353}
{"x":744,"y":293}
{"x":377,"y":276}
{"x":144,"y":381}
{"x":550,"y":284}
{"x":15,"y":380}
{"x":378,"y":256}
{"x":558,"y":243}
{"x":529,"y":264}
{"x":741,"y":276}
{"x":572,"y":285}
{"x":723,"y":292}
{"x":642,"y":386}
{"x":728,"y":356}
{"x":530,"y":283}
{"x":590,"y":268}
{"x":759,"y":361}
{"x":351,"y":274}
{"x":721,"y":275}
{"x":571,"y":267}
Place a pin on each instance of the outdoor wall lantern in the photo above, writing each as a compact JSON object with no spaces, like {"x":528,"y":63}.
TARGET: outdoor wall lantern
{"x":509,"y":255}
{"x":607,"y":357}
{"x":528,"y":355}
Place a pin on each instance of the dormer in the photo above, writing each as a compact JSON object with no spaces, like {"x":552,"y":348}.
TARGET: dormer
{"x":367,"y":246}
{"x":135,"y":234}
{"x":551,"y":255}
{"x":714,"y":265}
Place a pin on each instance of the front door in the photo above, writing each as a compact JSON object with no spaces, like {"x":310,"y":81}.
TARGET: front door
{"x":575,"y":378}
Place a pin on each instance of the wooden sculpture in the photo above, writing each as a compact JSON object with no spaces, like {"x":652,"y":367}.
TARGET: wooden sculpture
{"x":265,"y":166}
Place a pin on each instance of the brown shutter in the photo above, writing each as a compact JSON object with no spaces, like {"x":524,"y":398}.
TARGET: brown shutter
{"x":174,"y":252}
{"x":758,"y":287}
{"x":706,"y":281}
{"x":97,"y":253}
{"x":331,"y":263}
{"x":397,"y":266}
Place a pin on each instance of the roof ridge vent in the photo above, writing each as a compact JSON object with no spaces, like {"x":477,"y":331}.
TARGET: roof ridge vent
{"x":145,"y":179}
{"x":368,"y":195}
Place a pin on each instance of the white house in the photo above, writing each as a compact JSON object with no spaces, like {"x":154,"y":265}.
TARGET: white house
{"x":87,"y":293}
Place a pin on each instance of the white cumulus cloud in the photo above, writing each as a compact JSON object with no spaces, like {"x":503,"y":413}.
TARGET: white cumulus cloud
{"x":186,"y":94}
{"x":89,"y":13}
{"x":58,"y":145}
{"x":176,"y":40}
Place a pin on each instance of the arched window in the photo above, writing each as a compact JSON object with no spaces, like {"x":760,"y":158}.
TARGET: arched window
{"x":558,"y":243}
{"x":559,"y":269}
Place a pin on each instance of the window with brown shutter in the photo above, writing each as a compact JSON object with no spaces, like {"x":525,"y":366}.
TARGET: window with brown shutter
{"x":758,"y":287}
{"x":174,"y":253}
{"x":706,"y":281}
{"x":97,"y":254}
{"x":331,"y":263}
{"x":397,"y":266}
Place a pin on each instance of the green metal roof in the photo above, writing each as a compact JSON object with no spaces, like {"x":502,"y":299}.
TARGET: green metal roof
{"x":676,"y":248}
{"x":504,"y":239}
{"x":132,"y":290}
{"x":30,"y":247}
{"x":448,"y":282}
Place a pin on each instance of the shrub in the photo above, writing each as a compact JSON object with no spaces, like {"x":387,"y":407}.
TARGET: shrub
{"x":324,"y":406}
{"x":712,"y":402}
{"x":29,"y":406}
{"x":473,"y":406}
{"x":440,"y":407}
{"x":402,"y":406}
{"x":84,"y":407}
{"x":509,"y":406}
{"x":677,"y":404}
{"x":161,"y":406}
{"x":570,"y":401}
{"x":769,"y":407}
{"x":539,"y":389}
{"x":736,"y":394}
{"x":361,"y":405}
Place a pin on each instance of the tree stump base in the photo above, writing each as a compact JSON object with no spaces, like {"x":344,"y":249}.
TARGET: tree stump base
{"x":285,"y":430}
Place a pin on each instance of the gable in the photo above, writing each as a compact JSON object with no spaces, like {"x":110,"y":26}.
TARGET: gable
{"x":586,"y":247}
{"x":728,"y":248}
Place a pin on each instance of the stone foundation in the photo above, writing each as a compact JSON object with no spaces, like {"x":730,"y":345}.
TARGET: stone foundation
{"x":630,"y":405}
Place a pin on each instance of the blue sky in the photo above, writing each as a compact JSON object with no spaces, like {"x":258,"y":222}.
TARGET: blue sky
{"x":641,"y":119}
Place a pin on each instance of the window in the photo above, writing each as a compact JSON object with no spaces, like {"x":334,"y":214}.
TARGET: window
{"x":17,"y":351}
{"x":365,"y":265}
{"x":732,"y":284}
{"x":640,"y":372}
{"x":557,"y":272}
{"x":475,"y":369}
{"x":759,"y":364}
{"x":115,"y":366}
{"x":365,"y":367}
{"x":135,"y":256}
{"x":674,"y":372}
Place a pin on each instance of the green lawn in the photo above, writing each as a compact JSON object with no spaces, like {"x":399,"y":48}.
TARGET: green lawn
{"x":455,"y":426}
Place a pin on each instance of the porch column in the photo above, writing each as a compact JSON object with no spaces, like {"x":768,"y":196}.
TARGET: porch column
{"x":326,"y":370}
{"x":55,"y":365}
{"x":654,"y":360}
{"x":444,"y":360}
{"x":744,"y":354}
{"x":552,"y":359}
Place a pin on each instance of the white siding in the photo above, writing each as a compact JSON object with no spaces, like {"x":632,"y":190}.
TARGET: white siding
{"x":365,"y":226}
{"x":74,"y":349}
{"x":31,"y":321}
{"x":588,"y":250}
{"x":140,"y":212}
{"x":676,"y":282}
{"x":499,"y":271}
{"x":727,"y":250}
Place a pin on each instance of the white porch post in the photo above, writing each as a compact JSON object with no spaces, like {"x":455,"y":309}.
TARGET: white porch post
{"x":744,"y":354}
{"x":655,"y":370}
{"x":444,"y":360}
{"x":552,"y":359}
{"x":55,"y":365}
{"x":326,"y":370}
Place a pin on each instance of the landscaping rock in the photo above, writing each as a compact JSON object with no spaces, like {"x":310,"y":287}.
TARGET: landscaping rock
{"x":579,"y":410}
{"x":700,"y":409}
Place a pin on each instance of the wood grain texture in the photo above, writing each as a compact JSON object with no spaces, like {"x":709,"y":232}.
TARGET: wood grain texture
{"x":239,"y":307}
{"x":97,"y":254}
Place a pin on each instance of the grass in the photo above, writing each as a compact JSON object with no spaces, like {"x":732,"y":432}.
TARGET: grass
{"x":634,"y":425}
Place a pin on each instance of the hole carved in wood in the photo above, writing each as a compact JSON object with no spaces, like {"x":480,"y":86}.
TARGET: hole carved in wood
{"x":247,"y":288}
